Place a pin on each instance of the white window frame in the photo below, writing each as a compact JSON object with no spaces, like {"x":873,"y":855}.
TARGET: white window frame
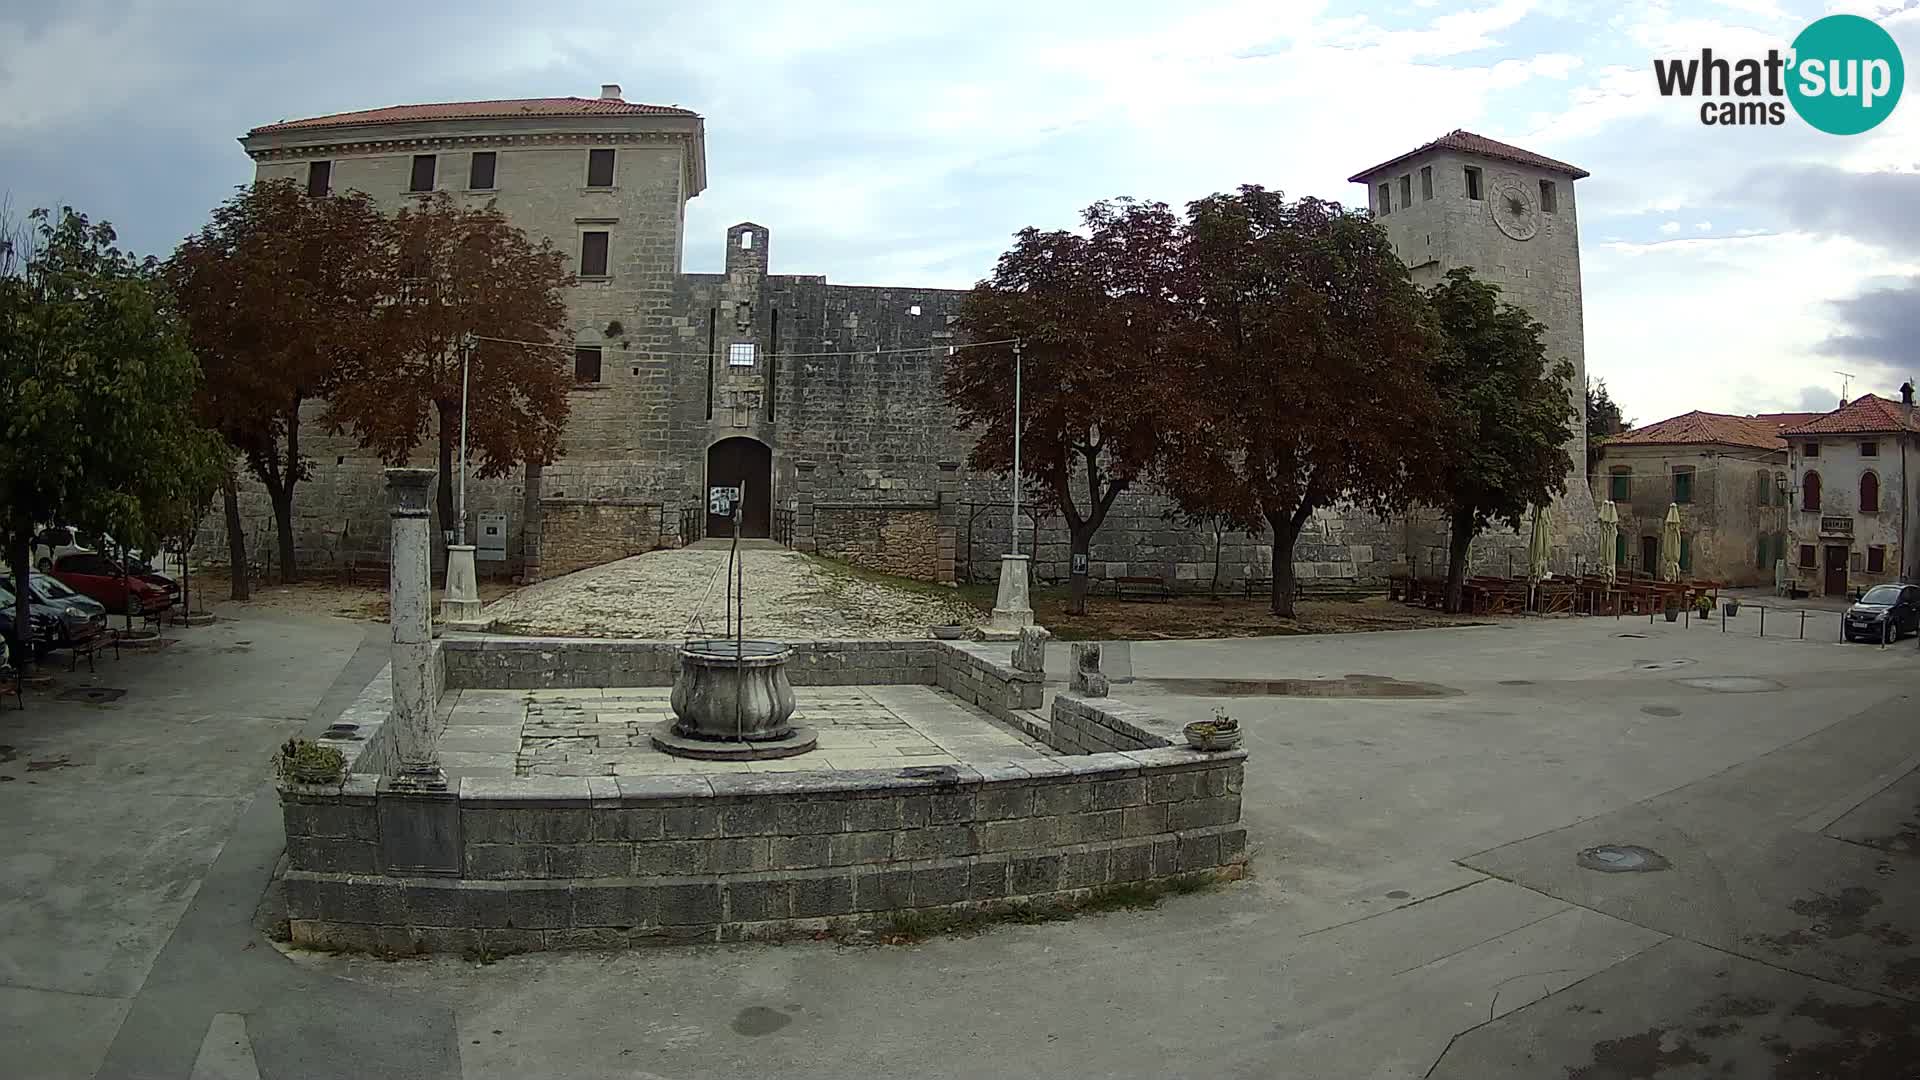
{"x":741,"y":354}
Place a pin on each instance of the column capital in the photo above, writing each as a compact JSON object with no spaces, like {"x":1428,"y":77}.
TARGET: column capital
{"x":409,"y":492}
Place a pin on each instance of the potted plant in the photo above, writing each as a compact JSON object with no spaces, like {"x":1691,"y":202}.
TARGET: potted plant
{"x":1220,"y":733}
{"x":1731,"y":605}
{"x":1703,"y":607}
{"x":304,"y":762}
{"x":1673,"y":609}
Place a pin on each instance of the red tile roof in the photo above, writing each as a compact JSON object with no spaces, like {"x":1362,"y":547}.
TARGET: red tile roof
{"x":1759,"y":432}
{"x":1467,"y":142}
{"x":478,"y":110}
{"x":1865,"y":414}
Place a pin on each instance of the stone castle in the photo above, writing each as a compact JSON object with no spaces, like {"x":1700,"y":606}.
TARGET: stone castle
{"x":818,"y":406}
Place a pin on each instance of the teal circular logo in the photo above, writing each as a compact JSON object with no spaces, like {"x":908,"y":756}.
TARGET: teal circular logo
{"x":1847,"y":74}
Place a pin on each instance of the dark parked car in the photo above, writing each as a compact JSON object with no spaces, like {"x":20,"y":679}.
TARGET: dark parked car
{"x":40,"y":639}
{"x":104,"y":580}
{"x":82,"y":618}
{"x":1885,"y":613}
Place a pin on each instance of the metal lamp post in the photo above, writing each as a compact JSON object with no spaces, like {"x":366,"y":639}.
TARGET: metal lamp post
{"x":460,"y":605}
{"x":1011,"y":611}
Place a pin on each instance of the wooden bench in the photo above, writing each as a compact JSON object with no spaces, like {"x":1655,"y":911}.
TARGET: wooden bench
{"x":356,"y":567}
{"x":13,"y":678}
{"x":90,"y":647}
{"x":1142,"y":588}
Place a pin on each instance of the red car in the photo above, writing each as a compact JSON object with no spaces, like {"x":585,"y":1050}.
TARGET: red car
{"x":105,"y":580}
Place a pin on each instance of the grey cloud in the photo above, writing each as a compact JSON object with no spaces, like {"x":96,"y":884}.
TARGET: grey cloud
{"x":1879,"y":208}
{"x":1881,"y":326}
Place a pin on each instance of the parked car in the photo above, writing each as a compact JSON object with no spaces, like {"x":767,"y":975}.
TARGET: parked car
{"x":105,"y":580}
{"x":144,"y":570}
{"x":55,"y":541}
{"x":1885,"y":613}
{"x":40,"y":638}
{"x":81,"y":618}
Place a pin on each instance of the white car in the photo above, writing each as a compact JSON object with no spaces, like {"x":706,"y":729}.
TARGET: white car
{"x":55,"y":541}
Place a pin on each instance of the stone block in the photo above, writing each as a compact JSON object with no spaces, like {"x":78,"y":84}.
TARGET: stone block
{"x":1084,"y":677}
{"x":1199,"y":850}
{"x":510,"y":941}
{"x":497,"y":862}
{"x":626,"y":823}
{"x":949,"y":807}
{"x":1110,"y":794}
{"x":354,"y":821}
{"x":668,"y":858}
{"x":934,"y":842}
{"x":536,"y":906}
{"x":751,"y":817}
{"x":582,"y":938}
{"x":941,"y":883}
{"x":611,"y":905}
{"x":437,"y":904}
{"x":756,"y":899}
{"x":1130,"y":861}
{"x":1166,"y":857}
{"x":332,"y":856}
{"x":1233,"y":846}
{"x":1096,"y":826}
{"x":597,"y":860}
{"x":669,"y":787}
{"x":447,"y":940}
{"x":1070,"y":797}
{"x":810,"y":816}
{"x":689,"y":822}
{"x":736,"y":854}
{"x":987,"y":877}
{"x":1144,"y":820}
{"x":1170,"y":786}
{"x":1032,"y":874}
{"x":995,"y":802}
{"x":865,"y":814}
{"x":1083,"y":867}
{"x":1015,"y":834}
{"x":817,"y":897}
{"x":882,"y":889}
{"x":860,"y":847}
{"x":800,"y":852}
{"x":1030,"y":651}
{"x":689,"y":904}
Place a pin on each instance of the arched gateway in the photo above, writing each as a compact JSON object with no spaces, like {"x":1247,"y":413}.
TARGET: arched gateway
{"x":735,"y":466}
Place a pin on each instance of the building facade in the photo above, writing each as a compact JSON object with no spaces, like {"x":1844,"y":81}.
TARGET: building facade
{"x":1850,"y":525}
{"x":1729,"y":477}
{"x":817,"y":407}
{"x":1511,"y":216}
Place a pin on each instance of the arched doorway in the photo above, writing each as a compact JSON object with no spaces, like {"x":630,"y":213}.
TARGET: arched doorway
{"x":734,"y":464}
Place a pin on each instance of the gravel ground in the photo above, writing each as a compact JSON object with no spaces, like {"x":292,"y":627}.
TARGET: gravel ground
{"x":676,"y":593}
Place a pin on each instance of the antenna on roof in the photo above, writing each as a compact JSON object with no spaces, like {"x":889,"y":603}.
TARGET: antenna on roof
{"x":1846,"y":381}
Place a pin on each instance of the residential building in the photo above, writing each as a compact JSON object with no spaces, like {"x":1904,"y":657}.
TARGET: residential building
{"x":1850,"y":527}
{"x":1727,"y":474}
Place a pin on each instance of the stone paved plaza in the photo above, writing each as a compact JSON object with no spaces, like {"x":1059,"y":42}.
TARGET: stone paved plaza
{"x":675,"y":593}
{"x":605,"y":732}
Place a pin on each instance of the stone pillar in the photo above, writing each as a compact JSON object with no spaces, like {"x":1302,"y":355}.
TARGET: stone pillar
{"x":1011,"y":610}
{"x":945,"y":563}
{"x":530,"y":524}
{"x":460,"y":604}
{"x":409,"y":605}
{"x":1085,"y":678}
{"x":803,"y":506}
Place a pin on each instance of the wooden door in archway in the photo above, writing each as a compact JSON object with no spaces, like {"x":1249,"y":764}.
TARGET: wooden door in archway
{"x":737,"y":469}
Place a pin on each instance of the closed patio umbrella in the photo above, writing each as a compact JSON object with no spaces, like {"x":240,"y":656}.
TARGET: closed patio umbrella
{"x":1609,"y":539}
{"x":1670,"y":544}
{"x":1537,"y":544}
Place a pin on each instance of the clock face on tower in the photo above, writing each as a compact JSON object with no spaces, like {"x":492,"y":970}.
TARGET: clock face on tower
{"x":1512,"y":208}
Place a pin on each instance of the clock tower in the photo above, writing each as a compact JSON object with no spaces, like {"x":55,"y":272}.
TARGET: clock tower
{"x":1510,"y":215}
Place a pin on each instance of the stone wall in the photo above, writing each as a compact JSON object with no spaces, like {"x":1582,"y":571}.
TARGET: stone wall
{"x":560,"y":663}
{"x":896,"y":539}
{"x":576,"y":533}
{"x":974,"y":674}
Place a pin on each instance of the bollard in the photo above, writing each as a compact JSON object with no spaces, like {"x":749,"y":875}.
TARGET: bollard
{"x":1763,"y":622}
{"x":1723,"y":618}
{"x":1803,"y":624}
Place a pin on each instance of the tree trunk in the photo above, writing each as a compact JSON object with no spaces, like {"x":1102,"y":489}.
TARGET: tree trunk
{"x":19,"y":565}
{"x":449,"y":434}
{"x":236,"y":540}
{"x":1286,"y":530}
{"x":1459,"y":541}
{"x":1079,"y":539}
{"x":282,"y":498}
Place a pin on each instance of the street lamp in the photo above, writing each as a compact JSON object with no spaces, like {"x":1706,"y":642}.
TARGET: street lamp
{"x":461,"y":602}
{"x":1011,"y":611}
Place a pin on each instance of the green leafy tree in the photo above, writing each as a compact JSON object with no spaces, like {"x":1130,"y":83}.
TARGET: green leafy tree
{"x":1301,"y":380}
{"x":1604,"y":420}
{"x":451,"y":275}
{"x":279,"y":292}
{"x":1092,"y":315}
{"x":1506,"y":417}
{"x":96,"y":388}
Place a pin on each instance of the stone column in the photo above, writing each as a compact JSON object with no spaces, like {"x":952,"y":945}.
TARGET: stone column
{"x":530,"y":525}
{"x":1011,"y":610}
{"x":409,"y":605}
{"x":803,"y":506}
{"x":949,"y":522}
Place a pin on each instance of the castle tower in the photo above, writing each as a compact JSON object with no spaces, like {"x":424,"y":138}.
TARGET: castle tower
{"x":1510,"y":215}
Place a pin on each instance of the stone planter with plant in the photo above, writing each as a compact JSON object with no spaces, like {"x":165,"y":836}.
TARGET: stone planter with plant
{"x":302,"y":762}
{"x":1220,"y":733}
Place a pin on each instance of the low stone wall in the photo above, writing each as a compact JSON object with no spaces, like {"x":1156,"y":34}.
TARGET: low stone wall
{"x":578,"y":533}
{"x":587,"y":862}
{"x":1094,"y":726}
{"x":564,"y":663}
{"x":971,"y":675}
{"x":903,"y":540}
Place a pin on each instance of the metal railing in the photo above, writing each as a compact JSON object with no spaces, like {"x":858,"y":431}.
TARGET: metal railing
{"x":693,"y":524}
{"x":782,"y":527}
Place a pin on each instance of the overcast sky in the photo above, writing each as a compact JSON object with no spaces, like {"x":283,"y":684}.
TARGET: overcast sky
{"x":893,"y":143}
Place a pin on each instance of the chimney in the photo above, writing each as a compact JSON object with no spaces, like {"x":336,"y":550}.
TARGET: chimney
{"x":610,"y":91}
{"x":1906,"y":394}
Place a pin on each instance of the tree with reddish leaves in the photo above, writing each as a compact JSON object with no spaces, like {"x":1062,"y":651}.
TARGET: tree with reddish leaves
{"x":454,"y":275}
{"x":1092,"y":314}
{"x":279,"y":292}
{"x":1302,"y":374}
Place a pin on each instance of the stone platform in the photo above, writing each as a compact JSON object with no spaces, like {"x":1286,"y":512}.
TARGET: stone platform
{"x":606,"y":732}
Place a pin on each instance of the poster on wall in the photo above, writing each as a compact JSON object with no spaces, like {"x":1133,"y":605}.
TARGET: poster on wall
{"x":1079,"y":565}
{"x":721,"y":500}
